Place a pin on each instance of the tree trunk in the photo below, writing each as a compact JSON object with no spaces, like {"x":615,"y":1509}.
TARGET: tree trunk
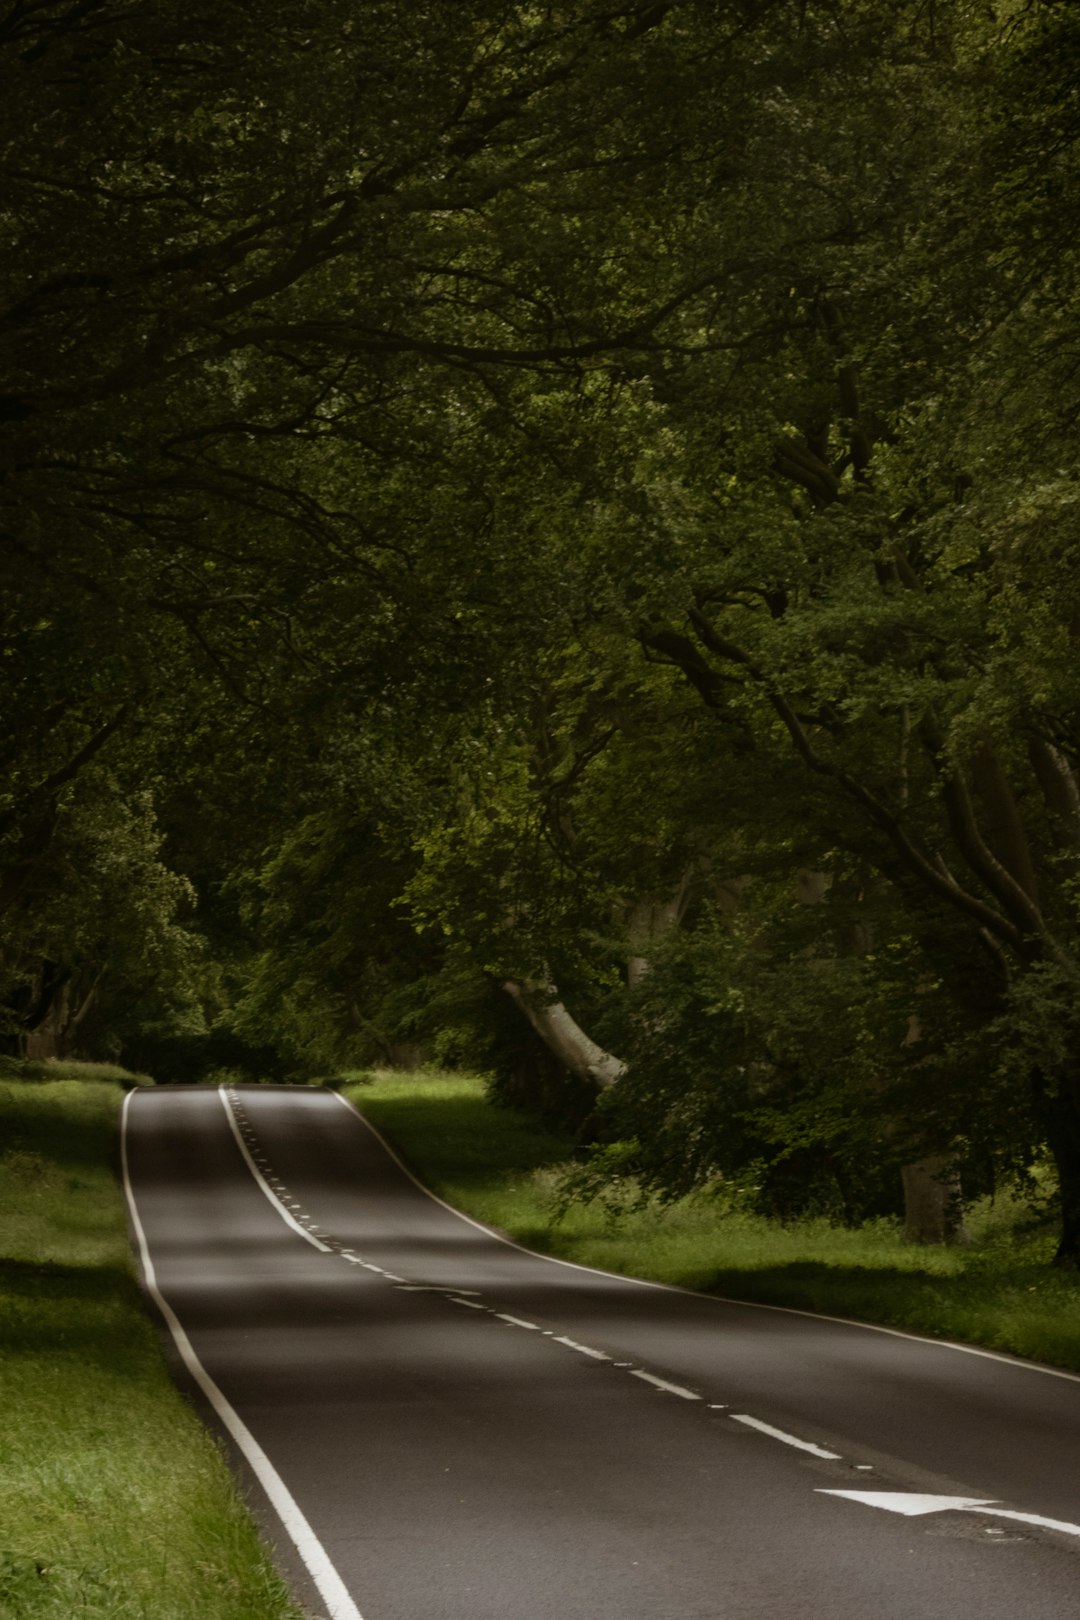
{"x":46,"y":1040}
{"x":1059,"y":1105}
{"x":1060,"y":791}
{"x":561,"y":1032}
{"x":647,"y":923}
{"x":407,"y":1055}
{"x":933,"y":1205}
{"x":933,"y":1199}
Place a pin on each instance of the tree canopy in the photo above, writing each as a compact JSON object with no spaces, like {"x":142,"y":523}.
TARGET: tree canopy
{"x":549,"y":534}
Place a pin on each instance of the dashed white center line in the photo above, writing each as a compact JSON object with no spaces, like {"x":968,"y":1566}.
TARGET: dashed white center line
{"x":662,"y":1383}
{"x":268,"y":1188}
{"x":245,"y":1136}
{"x":433,"y":1288}
{"x":788,"y":1439}
{"x":584,"y":1349}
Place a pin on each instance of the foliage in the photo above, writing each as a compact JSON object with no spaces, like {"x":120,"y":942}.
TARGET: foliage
{"x":603,"y":479}
{"x":105,"y":916}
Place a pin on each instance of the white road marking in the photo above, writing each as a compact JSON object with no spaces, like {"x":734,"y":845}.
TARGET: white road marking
{"x":515,"y":1321}
{"x":471,"y":1303}
{"x":331,"y":1587}
{"x":912,"y":1503}
{"x":1029,"y":1518}
{"x":788,"y":1439}
{"x":572,"y":1344}
{"x":433,"y":1288}
{"x":261,"y":1179}
{"x":674,"y":1288}
{"x":661,"y":1383}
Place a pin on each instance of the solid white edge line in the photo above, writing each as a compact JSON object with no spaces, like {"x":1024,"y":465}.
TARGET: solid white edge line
{"x":717,"y":1299}
{"x":330,"y":1586}
{"x":788,"y":1439}
{"x":1028,"y":1518}
{"x":261,"y":1179}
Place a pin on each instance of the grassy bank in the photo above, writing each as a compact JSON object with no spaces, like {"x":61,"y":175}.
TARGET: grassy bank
{"x":499,"y":1167}
{"x":114,"y":1500}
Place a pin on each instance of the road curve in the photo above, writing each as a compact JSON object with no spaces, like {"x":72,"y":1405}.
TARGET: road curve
{"x":439,"y":1425}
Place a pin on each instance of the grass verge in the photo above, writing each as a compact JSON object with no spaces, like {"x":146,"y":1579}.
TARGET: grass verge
{"x":115,"y":1502}
{"x":504,"y":1169}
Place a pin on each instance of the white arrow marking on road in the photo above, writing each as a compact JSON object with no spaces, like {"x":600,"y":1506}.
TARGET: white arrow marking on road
{"x":911,"y":1503}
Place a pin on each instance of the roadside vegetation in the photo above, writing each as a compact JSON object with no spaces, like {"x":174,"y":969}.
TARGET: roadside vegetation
{"x":114,"y":1500}
{"x":525,"y":1179}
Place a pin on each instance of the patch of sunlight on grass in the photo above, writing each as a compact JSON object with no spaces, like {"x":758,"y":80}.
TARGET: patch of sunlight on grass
{"x":506,"y":1169}
{"x":115,"y":1502}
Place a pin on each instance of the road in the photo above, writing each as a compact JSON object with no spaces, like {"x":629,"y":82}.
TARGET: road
{"x":438,"y":1425}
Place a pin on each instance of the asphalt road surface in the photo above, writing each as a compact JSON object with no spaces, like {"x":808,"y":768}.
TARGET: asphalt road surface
{"x":438,"y":1425}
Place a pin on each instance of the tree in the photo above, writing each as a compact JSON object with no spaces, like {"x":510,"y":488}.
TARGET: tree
{"x":673,"y":332}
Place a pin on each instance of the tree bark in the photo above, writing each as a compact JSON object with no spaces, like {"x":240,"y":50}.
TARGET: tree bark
{"x":1059,"y":790}
{"x":1008,"y":837}
{"x":46,"y":1040}
{"x":563,"y":1035}
{"x":933,"y":1204}
{"x":649,"y":921}
{"x":1058,"y":1101}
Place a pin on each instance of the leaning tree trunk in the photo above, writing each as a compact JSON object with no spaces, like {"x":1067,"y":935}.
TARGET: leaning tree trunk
{"x":561,"y":1032}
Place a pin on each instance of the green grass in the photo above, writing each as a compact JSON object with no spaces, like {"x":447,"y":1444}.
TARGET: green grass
{"x":506,"y":1170}
{"x":69,"y":1069}
{"x":114,"y":1499}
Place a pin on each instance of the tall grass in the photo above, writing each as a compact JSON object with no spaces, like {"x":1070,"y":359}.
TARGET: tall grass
{"x":510,"y":1172}
{"x":115,"y":1503}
